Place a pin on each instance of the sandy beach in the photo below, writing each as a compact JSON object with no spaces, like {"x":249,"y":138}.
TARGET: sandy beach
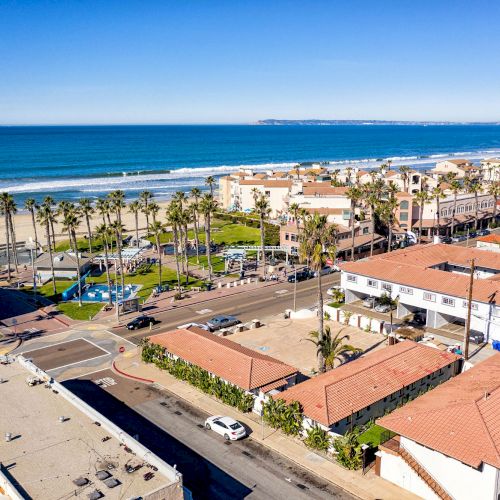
{"x":24,"y":225}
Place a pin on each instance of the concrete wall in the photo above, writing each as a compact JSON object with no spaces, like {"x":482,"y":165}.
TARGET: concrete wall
{"x":459,"y":480}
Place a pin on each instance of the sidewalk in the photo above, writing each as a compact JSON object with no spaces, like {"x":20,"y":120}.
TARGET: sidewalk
{"x":369,"y":486}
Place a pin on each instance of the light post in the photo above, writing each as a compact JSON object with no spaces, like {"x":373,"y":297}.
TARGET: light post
{"x":295,"y":290}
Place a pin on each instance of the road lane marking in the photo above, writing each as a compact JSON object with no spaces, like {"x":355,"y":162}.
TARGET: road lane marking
{"x":204,"y":311}
{"x":280,"y":292}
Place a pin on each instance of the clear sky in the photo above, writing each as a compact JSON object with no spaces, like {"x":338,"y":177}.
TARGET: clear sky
{"x":238,"y":61}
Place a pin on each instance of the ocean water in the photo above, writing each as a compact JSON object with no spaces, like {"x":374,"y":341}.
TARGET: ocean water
{"x":73,"y":162}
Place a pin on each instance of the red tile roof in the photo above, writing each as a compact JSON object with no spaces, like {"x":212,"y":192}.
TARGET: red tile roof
{"x":229,"y":360}
{"x":270,"y":183}
{"x":323,"y":189}
{"x":490,"y":238}
{"x":334,"y":395}
{"x":412,"y":266}
{"x":460,"y":418}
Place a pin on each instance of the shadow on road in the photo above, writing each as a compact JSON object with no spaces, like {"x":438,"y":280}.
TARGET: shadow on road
{"x":203,"y":478}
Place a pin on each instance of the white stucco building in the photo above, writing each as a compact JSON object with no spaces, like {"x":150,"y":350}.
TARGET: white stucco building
{"x":447,"y":441}
{"x":432,"y":280}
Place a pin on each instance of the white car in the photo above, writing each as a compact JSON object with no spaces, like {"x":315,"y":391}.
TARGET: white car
{"x":334,"y":289}
{"x":227,"y":427}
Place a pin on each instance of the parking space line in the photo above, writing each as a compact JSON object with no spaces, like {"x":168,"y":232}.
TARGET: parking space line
{"x":56,"y":343}
{"x":77,"y":362}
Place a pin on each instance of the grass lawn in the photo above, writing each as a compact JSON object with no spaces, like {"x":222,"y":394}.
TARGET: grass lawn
{"x":217,"y":262}
{"x":74,"y":311}
{"x":374,"y":435}
{"x":47,"y":289}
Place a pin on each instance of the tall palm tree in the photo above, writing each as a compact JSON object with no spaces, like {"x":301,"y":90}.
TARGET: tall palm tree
{"x":135,"y":208}
{"x":210,"y":182}
{"x":10,"y":207}
{"x":455,"y":187}
{"x":49,"y":202}
{"x":173,"y":219}
{"x":372,"y":195}
{"x":405,"y":176}
{"x":437,"y":194}
{"x":31,"y":206}
{"x":185,"y":219}
{"x":333,"y":348}
{"x":70,"y":223}
{"x":348,"y":173}
{"x":157,"y":228}
{"x":87,"y":210}
{"x":146,"y":197}
{"x":316,"y":242}
{"x":102,"y":206}
{"x":4,"y":210}
{"x":387,"y":211}
{"x":421,"y":198}
{"x":45,"y":216}
{"x":494,"y":190}
{"x":294,"y":210}
{"x":103,"y":232}
{"x":354,"y":193}
{"x":117,"y":228}
{"x":154,"y":208}
{"x":263,"y":209}
{"x":195,"y":206}
{"x":474,"y":187}
{"x":208,"y":206}
{"x":117,"y":203}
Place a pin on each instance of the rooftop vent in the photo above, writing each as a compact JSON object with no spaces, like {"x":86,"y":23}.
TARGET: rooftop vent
{"x":102,"y":475}
{"x":111,"y":482}
{"x":95,"y":495}
{"x":81,"y":481}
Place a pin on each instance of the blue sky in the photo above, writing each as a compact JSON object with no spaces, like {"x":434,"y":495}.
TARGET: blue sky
{"x":237,"y":61}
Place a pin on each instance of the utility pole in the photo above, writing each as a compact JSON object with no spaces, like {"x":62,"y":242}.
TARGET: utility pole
{"x":295,"y":291}
{"x":469,"y":311}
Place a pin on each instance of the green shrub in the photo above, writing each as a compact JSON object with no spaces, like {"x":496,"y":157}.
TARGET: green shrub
{"x":317,"y":439}
{"x":287,"y":417}
{"x":349,"y":451}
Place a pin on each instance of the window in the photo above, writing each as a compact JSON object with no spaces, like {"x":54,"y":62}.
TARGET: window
{"x":293,"y":237}
{"x":444,"y":212}
{"x":346,"y":214}
{"x":372,"y":283}
{"x":403,"y":216}
{"x":358,"y":414}
{"x":431,"y":297}
{"x":404,"y":205}
{"x":352,"y":278}
{"x":387,"y":287}
{"x":405,"y":289}
{"x":366,"y":230}
{"x":473,"y":306}
{"x":448,"y":302}
{"x":287,"y":236}
{"x":461,"y":209}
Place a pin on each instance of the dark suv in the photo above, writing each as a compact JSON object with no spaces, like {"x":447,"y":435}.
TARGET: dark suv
{"x":303,"y":274}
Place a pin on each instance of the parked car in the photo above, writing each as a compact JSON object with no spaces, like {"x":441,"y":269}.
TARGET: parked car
{"x":447,"y":240}
{"x":473,"y":234}
{"x":333,"y":290}
{"x":476,"y":337}
{"x":222,"y":321}
{"x":140,"y":322}
{"x":419,"y":318}
{"x":369,"y":302}
{"x":226,"y":426}
{"x":302,"y":275}
{"x":324,"y":271}
{"x":483,"y":232}
{"x":383,"y":308}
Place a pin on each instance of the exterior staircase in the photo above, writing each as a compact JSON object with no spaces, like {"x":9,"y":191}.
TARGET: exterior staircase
{"x":423,"y":474}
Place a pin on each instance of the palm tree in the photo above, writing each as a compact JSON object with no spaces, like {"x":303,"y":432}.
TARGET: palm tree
{"x":87,"y":210}
{"x":102,"y":206}
{"x":263,"y":209}
{"x":157,"y":228}
{"x":333,"y":349}
{"x":210,"y":182}
{"x":405,"y":176}
{"x":387,"y":211}
{"x":117,"y":228}
{"x":437,"y":194}
{"x":9,"y":208}
{"x":45,"y":217}
{"x":185,"y":216}
{"x":421,"y":198}
{"x":103,"y":232}
{"x":173,"y":219}
{"x":455,"y":187}
{"x":316,"y":241}
{"x":135,"y":208}
{"x":117,"y":199}
{"x":372,"y":194}
{"x":354,"y":193}
{"x":31,"y":206}
{"x":196,"y":193}
{"x":208,"y":206}
{"x":70,"y":223}
{"x":294,"y":210}
{"x":4,"y":210}
{"x":49,"y":202}
{"x":494,"y":190}
{"x":154,"y":208}
{"x":348,"y":173}
{"x":146,"y":197}
{"x":474,"y":187}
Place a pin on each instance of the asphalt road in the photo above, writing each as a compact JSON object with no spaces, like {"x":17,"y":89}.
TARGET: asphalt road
{"x":211,"y":468}
{"x":256,"y":304}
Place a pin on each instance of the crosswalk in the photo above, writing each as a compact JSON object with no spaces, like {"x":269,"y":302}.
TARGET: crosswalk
{"x":105,"y":382}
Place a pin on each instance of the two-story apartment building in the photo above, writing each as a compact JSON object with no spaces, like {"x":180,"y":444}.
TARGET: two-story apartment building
{"x":366,"y":388}
{"x":460,"y":167}
{"x":432,"y":280}
{"x":447,"y":441}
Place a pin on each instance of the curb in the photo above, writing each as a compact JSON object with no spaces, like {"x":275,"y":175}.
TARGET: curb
{"x":127,"y":375}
